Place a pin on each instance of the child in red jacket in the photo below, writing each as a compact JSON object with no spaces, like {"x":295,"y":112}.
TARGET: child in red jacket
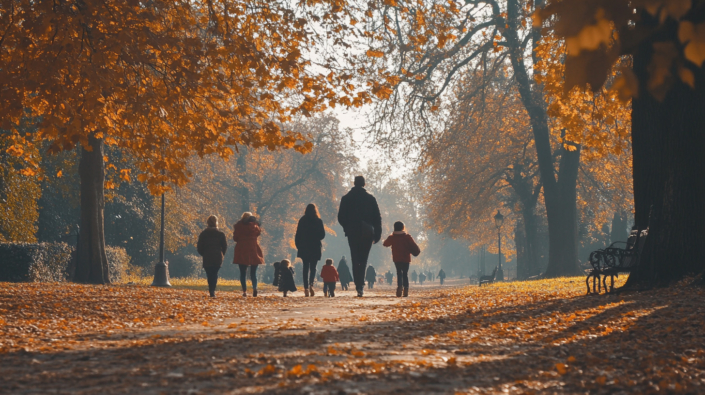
{"x":330,"y":277}
{"x":403,"y":247}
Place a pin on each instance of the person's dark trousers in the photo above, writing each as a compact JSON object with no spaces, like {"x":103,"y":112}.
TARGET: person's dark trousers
{"x":359,"y":252}
{"x":370,"y":284}
{"x":329,"y":288}
{"x":402,"y":274}
{"x":212,"y":276}
{"x":309,"y":273}
{"x":243,"y":276}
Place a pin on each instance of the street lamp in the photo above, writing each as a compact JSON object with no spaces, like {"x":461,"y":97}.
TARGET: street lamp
{"x":498,"y":222}
{"x":161,"y":270}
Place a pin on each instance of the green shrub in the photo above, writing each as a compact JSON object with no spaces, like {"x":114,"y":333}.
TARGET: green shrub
{"x":43,"y":262}
{"x":118,"y":262}
{"x":48,"y":262}
{"x":197,"y":270}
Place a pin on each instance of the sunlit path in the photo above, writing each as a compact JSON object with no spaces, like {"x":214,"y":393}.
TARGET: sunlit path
{"x":517,"y":337}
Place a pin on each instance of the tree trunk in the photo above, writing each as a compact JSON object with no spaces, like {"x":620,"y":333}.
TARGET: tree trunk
{"x":669,"y":171}
{"x":520,"y":243}
{"x":528,"y":232}
{"x":92,"y":263}
{"x":559,"y":194}
{"x":619,"y":227}
{"x":531,"y":235}
{"x":561,"y":213}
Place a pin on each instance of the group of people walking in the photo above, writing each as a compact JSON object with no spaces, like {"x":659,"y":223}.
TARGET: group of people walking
{"x":361,"y":220}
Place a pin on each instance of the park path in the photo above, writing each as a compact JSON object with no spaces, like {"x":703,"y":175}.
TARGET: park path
{"x":531,"y":337}
{"x":260,"y":344}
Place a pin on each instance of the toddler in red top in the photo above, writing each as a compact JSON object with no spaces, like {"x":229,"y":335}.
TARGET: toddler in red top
{"x":330,"y":277}
{"x":403,"y":247}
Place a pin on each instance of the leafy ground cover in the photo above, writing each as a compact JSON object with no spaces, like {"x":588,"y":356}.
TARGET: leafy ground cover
{"x":530,"y":337}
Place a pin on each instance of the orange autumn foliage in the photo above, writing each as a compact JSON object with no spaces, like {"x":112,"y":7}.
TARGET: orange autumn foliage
{"x":165,"y":80}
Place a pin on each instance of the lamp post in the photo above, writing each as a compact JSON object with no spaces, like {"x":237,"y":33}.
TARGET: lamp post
{"x":498,"y":222}
{"x":161,"y":270}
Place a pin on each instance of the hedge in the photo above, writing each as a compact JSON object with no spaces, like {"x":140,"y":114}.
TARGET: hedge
{"x":48,"y":262}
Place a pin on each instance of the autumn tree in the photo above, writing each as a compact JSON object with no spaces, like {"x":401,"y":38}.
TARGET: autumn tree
{"x":19,"y":192}
{"x":275,"y":185}
{"x":162,"y":80}
{"x":423,"y":48}
{"x":482,"y":161}
{"x":665,"y":40}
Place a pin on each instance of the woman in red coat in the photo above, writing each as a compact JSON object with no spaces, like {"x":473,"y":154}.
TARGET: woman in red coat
{"x":247,"y":251}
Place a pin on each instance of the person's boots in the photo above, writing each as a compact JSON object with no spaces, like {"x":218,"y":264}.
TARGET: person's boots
{"x":244,"y":294}
{"x":305,"y":291}
{"x":399,"y":289}
{"x":311,"y":291}
{"x":359,"y":292}
{"x":331,"y":294}
{"x":254,"y":292}
{"x":285,"y":293}
{"x":406,"y":292}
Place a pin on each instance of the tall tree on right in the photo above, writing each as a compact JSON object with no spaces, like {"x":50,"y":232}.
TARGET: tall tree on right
{"x":666,"y":39}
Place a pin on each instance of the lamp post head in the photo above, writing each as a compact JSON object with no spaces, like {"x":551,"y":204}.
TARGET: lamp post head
{"x":498,"y":220}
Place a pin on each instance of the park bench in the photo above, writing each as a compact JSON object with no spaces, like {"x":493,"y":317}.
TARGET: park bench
{"x":619,"y":257}
{"x":488,"y":279}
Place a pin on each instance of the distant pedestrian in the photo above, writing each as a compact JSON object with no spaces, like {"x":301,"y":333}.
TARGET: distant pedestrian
{"x":309,"y":233}
{"x":330,"y":277}
{"x":360,"y":218}
{"x":344,"y":273}
{"x":371,"y":276}
{"x":268,"y":276}
{"x":422,"y":278}
{"x":403,"y":247}
{"x":442,"y":276}
{"x":414,"y":276}
{"x":248,"y":253}
{"x":286,"y":277}
{"x":212,"y":246}
{"x":389,"y":277}
{"x":277,"y":274}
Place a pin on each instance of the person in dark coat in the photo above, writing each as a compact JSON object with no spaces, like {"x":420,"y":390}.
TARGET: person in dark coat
{"x":248,"y":253}
{"x":277,"y":274}
{"x":309,"y":233}
{"x":362,"y":222}
{"x":422,"y":278}
{"x":268,"y":273}
{"x":212,"y":246}
{"x":371,"y":276}
{"x":442,"y":276}
{"x":389,"y":277}
{"x":414,"y":276}
{"x":286,"y":277}
{"x":344,"y":274}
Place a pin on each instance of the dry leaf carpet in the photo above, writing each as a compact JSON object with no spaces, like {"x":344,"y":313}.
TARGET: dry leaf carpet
{"x":521,"y":337}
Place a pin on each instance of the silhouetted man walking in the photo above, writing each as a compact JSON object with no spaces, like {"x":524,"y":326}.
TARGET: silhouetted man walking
{"x":360,"y":218}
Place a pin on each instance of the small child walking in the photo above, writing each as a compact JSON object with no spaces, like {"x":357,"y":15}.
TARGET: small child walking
{"x":403,"y":247}
{"x":330,"y":277}
{"x":286,"y":277}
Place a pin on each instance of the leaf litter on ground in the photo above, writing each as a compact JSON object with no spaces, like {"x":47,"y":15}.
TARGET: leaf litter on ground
{"x":521,"y":337}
